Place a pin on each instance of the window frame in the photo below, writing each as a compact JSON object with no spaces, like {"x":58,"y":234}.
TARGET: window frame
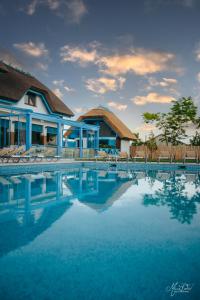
{"x":29,"y":98}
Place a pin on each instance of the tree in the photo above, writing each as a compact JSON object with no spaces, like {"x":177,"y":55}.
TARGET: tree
{"x":173,"y":124}
{"x":195,"y":141}
{"x":138,"y":141}
{"x":151,"y":144}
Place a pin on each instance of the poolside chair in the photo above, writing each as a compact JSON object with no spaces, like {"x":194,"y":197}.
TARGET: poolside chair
{"x":165,"y":154}
{"x":49,"y":156}
{"x":23,"y":157}
{"x":102,"y":155}
{"x":9,"y":156}
{"x":123,"y":156}
{"x":6,"y":152}
{"x":140,"y":153}
{"x":27,"y":157}
{"x":190,"y":154}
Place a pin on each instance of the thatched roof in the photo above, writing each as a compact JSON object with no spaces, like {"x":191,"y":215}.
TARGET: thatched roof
{"x":112,"y":120}
{"x":15,"y":83}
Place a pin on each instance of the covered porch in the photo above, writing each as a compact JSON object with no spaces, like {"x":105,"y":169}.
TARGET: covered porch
{"x":39,"y":132}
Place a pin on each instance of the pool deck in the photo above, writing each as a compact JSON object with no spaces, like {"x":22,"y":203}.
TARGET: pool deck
{"x":8,"y":168}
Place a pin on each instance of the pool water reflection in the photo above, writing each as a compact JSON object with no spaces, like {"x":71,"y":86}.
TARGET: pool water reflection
{"x":89,"y":234}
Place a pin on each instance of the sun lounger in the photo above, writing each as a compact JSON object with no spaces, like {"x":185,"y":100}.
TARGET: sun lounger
{"x":9,"y":156}
{"x":190,"y":154}
{"x":123,"y":156}
{"x":140,"y":154}
{"x":165,"y":155}
{"x":101,"y":155}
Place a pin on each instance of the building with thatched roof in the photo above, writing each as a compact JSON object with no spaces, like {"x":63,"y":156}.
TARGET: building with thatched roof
{"x":113,"y":134}
{"x":31,"y":114}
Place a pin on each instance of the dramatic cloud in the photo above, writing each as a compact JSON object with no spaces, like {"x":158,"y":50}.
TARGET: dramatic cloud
{"x":58,"y":93}
{"x":79,"y":55}
{"x":118,"y":106}
{"x":71,"y":10}
{"x":152,"y":98}
{"x":32,"y":49}
{"x":103,"y":85}
{"x":139,"y":61}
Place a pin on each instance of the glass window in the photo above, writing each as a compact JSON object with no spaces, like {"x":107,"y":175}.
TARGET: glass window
{"x":51,"y":138}
{"x":30,"y":99}
{"x":36,"y":138}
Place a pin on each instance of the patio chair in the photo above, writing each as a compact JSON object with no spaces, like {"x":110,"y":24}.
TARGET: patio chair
{"x":140,"y":154}
{"x":123,"y":156}
{"x":24,"y":156}
{"x":9,"y":155}
{"x":49,"y":156}
{"x":165,"y":154}
{"x":102,"y":155}
{"x":190,"y":154}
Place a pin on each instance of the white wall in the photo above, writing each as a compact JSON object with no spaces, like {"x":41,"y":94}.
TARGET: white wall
{"x":39,"y":108}
{"x":125,"y":146}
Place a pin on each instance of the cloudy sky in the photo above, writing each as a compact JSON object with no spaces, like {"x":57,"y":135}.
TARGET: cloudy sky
{"x":131,"y":56}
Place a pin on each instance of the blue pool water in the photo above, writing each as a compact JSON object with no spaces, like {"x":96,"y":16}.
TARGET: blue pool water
{"x":82,"y":234}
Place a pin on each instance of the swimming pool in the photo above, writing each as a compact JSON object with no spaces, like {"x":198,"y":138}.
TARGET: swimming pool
{"x":82,"y":233}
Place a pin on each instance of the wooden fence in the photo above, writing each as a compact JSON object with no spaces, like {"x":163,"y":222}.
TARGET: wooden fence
{"x":176,"y":152}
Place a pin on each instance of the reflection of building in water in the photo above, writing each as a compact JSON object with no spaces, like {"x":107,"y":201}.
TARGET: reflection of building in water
{"x":111,"y":185}
{"x":31,"y":203}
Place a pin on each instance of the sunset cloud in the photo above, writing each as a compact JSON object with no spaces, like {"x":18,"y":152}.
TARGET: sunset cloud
{"x":103,"y":85}
{"x":79,"y":55}
{"x":32,"y":49}
{"x":152,"y":98}
{"x":118,"y":106}
{"x":138,"y":61}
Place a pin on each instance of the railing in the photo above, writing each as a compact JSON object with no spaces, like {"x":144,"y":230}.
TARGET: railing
{"x":75,"y":152}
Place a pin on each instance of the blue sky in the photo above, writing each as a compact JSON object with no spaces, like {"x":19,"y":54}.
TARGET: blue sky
{"x":130,"y":56}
